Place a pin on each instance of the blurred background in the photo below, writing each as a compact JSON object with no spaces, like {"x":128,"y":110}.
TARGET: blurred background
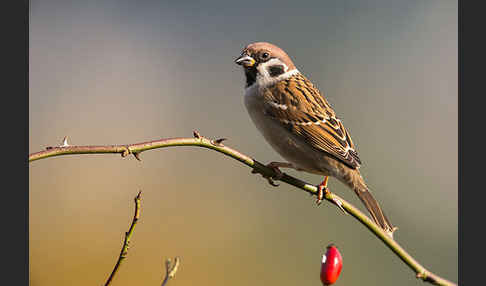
{"x":119,"y":72}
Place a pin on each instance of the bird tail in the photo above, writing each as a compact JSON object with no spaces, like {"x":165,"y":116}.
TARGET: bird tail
{"x":373,"y":207}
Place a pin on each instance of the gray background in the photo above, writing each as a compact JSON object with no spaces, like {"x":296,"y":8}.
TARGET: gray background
{"x":115,"y":72}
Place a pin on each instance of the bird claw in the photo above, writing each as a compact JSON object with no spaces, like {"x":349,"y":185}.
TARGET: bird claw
{"x":323,"y":191}
{"x":272,"y":182}
{"x":271,"y":179}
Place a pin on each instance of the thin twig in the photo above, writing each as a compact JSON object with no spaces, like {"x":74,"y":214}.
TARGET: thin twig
{"x":128,"y":235}
{"x":170,"y":270}
{"x":200,"y":141}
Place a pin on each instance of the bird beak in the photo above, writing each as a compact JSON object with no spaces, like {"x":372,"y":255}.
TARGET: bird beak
{"x":245,"y":60}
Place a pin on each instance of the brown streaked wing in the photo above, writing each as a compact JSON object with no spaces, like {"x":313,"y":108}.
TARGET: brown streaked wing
{"x":309,"y":116}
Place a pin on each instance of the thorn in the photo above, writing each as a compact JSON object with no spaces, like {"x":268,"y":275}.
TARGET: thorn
{"x":64,"y":142}
{"x":390,"y":232}
{"x":196,"y":134}
{"x":218,"y":142}
{"x":335,"y":201}
{"x":340,"y":205}
{"x":137,"y":156}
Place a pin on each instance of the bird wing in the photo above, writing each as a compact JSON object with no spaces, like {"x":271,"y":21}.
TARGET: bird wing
{"x":299,"y":107}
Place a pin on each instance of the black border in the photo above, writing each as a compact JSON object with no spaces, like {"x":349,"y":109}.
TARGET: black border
{"x":471,"y":142}
{"x":15,"y":130}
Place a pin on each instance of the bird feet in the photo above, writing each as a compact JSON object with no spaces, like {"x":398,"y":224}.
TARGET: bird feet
{"x":279,"y":174}
{"x":323,"y":190}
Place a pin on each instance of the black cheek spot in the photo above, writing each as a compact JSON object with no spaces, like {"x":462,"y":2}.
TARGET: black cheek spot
{"x":276,"y":70}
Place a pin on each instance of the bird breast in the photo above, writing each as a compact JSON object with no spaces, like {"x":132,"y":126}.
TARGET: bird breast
{"x":286,"y":144}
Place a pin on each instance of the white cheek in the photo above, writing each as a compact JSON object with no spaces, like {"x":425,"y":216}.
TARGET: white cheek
{"x":264,"y":78}
{"x":286,"y":68}
{"x":262,"y":71}
{"x":263,"y":82}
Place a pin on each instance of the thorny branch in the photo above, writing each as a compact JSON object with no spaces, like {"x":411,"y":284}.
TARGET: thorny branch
{"x":216,"y":145}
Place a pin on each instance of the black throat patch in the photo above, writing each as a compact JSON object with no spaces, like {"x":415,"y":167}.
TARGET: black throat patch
{"x":251,"y":74}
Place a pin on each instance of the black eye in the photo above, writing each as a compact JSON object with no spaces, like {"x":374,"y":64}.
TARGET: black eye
{"x":265,"y":56}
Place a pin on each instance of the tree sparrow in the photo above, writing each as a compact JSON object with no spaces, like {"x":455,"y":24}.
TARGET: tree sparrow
{"x":300,"y":125}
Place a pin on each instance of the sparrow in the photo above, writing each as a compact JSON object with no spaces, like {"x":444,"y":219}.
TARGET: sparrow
{"x":297,"y":121}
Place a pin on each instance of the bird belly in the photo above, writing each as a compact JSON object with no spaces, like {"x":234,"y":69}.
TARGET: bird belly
{"x":293,"y":149}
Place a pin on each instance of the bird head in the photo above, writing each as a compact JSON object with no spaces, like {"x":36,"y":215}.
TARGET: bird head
{"x":264,"y":62}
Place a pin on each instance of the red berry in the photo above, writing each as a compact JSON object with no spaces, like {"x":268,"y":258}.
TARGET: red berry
{"x":332,"y":263}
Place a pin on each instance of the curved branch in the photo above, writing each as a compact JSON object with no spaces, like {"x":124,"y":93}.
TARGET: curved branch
{"x":126,"y":242}
{"x":200,"y":141}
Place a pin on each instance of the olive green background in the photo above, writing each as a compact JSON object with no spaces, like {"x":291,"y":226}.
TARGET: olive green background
{"x":116,"y":72}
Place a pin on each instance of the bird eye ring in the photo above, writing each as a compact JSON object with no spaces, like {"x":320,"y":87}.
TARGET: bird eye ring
{"x":265,"y":56}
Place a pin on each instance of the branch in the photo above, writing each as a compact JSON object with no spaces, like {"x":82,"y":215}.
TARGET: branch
{"x":170,"y":270}
{"x":216,"y":145}
{"x":128,"y":235}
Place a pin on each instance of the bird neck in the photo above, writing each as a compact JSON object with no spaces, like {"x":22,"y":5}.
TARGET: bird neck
{"x":256,"y":79}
